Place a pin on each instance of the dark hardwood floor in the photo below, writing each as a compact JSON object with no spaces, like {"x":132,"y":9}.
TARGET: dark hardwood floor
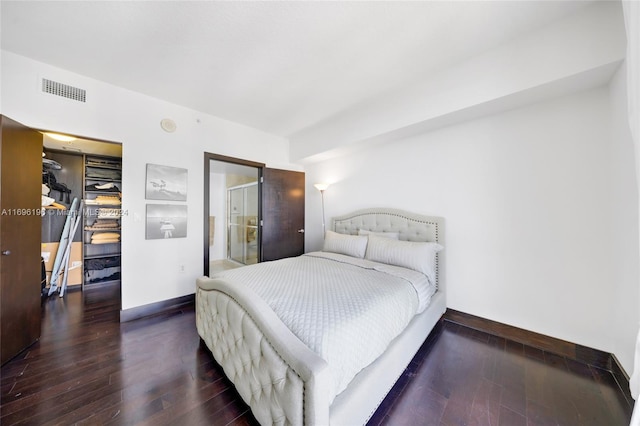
{"x":462,"y":376}
{"x":88,"y":369}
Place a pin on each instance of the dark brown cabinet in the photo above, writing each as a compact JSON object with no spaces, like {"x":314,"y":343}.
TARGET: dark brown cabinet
{"x":20,"y":228}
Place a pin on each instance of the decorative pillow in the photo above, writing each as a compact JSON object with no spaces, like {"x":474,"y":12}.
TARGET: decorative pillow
{"x":418,"y":256}
{"x":391,"y":235}
{"x":351,"y":245}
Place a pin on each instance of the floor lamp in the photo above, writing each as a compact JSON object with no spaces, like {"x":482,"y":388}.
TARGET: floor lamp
{"x":322,"y":187}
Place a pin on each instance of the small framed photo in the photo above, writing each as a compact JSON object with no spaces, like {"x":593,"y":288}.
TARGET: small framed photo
{"x":166,"y":183}
{"x":166,"y":221}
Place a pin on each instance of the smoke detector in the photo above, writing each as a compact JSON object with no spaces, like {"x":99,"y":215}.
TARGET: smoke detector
{"x":168,"y":125}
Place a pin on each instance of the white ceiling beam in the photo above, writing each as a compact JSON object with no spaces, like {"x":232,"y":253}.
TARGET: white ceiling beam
{"x":574,"y":53}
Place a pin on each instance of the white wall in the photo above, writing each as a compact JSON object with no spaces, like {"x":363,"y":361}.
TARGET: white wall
{"x":150,"y":268}
{"x":534,"y":234}
{"x":624,"y":201}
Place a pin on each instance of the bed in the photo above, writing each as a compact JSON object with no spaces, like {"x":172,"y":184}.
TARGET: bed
{"x":261,"y":322}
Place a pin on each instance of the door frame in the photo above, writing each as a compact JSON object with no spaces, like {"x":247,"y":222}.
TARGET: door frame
{"x":208,"y":157}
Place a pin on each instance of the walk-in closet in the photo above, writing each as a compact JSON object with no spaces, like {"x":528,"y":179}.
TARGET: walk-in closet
{"x":81,"y":220}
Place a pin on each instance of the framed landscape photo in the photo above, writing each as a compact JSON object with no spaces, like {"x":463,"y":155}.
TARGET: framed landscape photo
{"x":166,"y":221}
{"x":166,"y":183}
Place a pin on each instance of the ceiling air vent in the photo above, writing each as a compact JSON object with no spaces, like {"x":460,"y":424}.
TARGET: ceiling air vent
{"x":64,"y":90}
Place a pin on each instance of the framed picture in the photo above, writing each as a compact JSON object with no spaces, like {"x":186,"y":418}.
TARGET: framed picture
{"x":166,"y":221}
{"x":166,"y":183}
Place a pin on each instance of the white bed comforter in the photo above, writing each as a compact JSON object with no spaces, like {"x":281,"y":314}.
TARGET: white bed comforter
{"x":346,"y":310}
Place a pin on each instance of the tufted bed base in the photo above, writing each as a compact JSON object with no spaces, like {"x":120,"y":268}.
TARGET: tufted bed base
{"x":356,"y":404}
{"x":282,"y":380}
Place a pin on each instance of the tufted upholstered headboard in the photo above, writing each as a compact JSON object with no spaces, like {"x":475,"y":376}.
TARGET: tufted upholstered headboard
{"x":409,"y":226}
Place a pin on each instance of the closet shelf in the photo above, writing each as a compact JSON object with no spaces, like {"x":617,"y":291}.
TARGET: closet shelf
{"x":101,"y":256}
{"x":103,"y":207}
{"x":102,"y":179}
{"x":101,"y":192}
{"x":97,"y":283}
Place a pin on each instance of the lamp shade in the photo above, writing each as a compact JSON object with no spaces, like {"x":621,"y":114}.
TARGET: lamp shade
{"x":321,"y":186}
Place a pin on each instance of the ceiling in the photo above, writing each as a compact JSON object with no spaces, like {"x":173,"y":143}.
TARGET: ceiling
{"x":281,"y":67}
{"x":80,"y":145}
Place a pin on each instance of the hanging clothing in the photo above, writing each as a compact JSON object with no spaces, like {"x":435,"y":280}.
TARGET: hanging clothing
{"x":49,"y":179}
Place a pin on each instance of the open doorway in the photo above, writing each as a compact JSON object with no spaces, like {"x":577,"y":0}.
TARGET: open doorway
{"x":232,"y":213}
{"x":82,"y":192}
{"x":237,"y":237}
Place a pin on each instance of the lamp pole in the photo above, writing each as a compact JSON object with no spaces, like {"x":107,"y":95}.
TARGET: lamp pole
{"x":321,"y":187}
{"x":323,"y":225}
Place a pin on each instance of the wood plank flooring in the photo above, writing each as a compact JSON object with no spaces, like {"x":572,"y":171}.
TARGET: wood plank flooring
{"x":88,"y":369}
{"x":462,"y":376}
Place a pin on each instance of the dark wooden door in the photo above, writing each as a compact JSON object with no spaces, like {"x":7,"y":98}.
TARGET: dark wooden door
{"x":20,"y":223}
{"x":282,"y":214}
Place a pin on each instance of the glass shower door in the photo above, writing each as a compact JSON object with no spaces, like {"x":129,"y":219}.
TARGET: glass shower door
{"x":236,"y":208}
{"x":243,"y":223}
{"x":251,"y":222}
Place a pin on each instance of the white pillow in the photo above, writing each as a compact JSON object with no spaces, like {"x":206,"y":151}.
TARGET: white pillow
{"x":418,"y":256}
{"x":351,"y":245}
{"x":392,"y":235}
